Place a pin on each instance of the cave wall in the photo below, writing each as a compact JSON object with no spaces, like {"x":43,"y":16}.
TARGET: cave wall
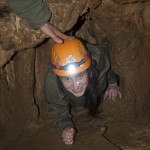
{"x":125,"y":29}
{"x":122,"y":25}
{"x":23,"y":63}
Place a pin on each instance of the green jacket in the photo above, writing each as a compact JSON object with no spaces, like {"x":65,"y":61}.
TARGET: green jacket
{"x":58,"y":103}
{"x":35,"y":12}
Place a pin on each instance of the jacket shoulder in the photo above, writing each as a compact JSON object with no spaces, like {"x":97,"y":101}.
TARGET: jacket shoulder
{"x":98,"y":52}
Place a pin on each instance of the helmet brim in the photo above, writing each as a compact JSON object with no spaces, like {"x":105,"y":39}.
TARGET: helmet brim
{"x":82,"y":68}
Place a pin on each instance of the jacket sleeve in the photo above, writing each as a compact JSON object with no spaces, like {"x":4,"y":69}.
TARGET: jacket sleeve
{"x":35,"y":12}
{"x":106,"y":76}
{"x":111,"y":75}
{"x":58,"y":108}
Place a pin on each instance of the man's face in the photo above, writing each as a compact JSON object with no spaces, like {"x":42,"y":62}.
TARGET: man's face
{"x":76,"y":84}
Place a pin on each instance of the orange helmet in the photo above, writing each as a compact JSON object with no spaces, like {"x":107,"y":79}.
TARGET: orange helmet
{"x":70,"y":57}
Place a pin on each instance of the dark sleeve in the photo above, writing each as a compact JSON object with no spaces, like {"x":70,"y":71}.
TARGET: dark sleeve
{"x":35,"y":12}
{"x":101,"y":61}
{"x":58,"y":108}
{"x":111,"y":75}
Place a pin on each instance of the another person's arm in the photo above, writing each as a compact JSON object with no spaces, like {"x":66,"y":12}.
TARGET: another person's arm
{"x":50,"y":30}
{"x":37,"y":15}
{"x":35,"y":12}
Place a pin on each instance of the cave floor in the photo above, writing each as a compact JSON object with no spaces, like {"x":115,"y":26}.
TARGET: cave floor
{"x":92,"y":135}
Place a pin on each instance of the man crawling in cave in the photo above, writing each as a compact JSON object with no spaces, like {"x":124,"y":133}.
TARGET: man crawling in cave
{"x":79,"y":76}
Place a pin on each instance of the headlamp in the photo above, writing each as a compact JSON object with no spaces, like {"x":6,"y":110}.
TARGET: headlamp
{"x":71,"y":68}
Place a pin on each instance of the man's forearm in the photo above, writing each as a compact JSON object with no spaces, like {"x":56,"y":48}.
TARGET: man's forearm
{"x":35,"y":12}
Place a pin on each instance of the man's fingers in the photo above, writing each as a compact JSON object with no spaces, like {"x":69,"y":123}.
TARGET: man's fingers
{"x":57,"y":39}
{"x":68,"y":142}
{"x":72,"y":130}
{"x":106,"y":94}
{"x":119,"y":93}
{"x":51,"y":31}
{"x":62,"y":35}
{"x":68,"y":136}
{"x":114,"y":96}
{"x":58,"y":36}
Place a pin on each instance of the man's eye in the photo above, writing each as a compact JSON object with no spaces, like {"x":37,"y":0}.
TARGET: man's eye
{"x":80,"y":76}
{"x":66,"y":79}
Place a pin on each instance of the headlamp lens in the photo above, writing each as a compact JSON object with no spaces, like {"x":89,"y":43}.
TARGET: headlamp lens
{"x":71,"y":68}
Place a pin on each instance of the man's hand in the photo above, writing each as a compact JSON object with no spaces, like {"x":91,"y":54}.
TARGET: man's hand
{"x":112,"y":92}
{"x":54,"y":33}
{"x":68,"y":136}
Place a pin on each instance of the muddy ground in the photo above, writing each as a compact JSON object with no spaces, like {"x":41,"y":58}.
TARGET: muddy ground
{"x":93,"y":134}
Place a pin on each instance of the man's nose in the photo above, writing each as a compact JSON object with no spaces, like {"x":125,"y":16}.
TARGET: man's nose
{"x":76,"y":84}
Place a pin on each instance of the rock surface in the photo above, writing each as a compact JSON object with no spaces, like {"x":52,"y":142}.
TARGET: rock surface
{"x":124,"y":26}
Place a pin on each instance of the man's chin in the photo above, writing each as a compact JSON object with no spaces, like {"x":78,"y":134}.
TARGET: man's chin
{"x":78,"y":94}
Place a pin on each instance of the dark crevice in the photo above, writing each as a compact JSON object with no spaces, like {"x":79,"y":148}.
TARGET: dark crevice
{"x":80,"y":22}
{"x":3,"y":78}
{"x":42,"y":43}
{"x":4,"y":11}
{"x":11,"y":59}
{"x":34,"y":86}
{"x":76,"y":27}
{"x":112,"y":142}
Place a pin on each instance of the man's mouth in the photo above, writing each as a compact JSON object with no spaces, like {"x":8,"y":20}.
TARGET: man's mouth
{"x":77,"y":91}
